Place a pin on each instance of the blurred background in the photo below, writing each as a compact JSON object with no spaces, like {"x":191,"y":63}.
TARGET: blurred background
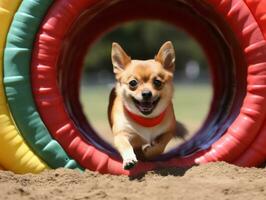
{"x":142,"y":40}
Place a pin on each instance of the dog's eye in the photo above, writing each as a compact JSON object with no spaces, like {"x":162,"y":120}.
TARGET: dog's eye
{"x":157,"y":83}
{"x":133,"y":84}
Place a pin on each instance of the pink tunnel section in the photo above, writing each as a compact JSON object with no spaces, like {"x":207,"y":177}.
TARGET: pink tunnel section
{"x":243,"y":141}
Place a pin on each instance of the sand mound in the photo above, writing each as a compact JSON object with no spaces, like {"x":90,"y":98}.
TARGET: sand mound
{"x":212,"y":181}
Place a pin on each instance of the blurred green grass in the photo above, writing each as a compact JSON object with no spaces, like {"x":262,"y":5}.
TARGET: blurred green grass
{"x":191,"y":103}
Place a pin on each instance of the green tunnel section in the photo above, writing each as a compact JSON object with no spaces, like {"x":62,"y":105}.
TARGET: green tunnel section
{"x":17,"y":63}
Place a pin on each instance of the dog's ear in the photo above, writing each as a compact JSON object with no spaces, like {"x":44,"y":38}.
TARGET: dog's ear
{"x":166,"y":56}
{"x":119,"y":58}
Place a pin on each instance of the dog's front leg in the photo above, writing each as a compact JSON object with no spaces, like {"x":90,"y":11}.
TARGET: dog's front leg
{"x":123,"y":145}
{"x":157,"y":147}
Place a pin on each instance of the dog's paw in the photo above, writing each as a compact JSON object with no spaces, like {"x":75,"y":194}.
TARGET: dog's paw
{"x":146,"y":147}
{"x":129,"y":163}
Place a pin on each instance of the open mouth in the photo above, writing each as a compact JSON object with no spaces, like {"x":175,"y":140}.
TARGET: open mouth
{"x":146,"y":107}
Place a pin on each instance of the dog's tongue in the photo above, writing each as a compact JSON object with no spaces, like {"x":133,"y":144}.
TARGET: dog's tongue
{"x":146,"y":106}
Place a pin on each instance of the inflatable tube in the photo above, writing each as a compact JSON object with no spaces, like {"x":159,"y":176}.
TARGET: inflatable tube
{"x":200,"y":30}
{"x":15,"y":155}
{"x":234,"y":130}
{"x":63,"y":14}
{"x":243,"y":127}
{"x":18,"y":88}
{"x":246,"y":129}
{"x":256,"y":153}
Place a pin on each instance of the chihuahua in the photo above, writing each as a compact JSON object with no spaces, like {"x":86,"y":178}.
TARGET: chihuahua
{"x":140,"y":108}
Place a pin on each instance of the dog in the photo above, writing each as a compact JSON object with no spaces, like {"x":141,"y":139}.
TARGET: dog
{"x":140,"y":110}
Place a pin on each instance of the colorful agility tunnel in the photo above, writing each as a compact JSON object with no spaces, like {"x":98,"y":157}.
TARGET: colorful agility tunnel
{"x":43,"y":44}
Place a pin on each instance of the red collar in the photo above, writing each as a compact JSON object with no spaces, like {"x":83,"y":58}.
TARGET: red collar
{"x":144,"y":121}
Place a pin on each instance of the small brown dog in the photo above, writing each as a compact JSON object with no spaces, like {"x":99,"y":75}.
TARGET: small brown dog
{"x":140,"y":109}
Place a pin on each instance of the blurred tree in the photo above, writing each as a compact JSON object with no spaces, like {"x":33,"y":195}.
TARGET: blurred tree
{"x":142,"y":40}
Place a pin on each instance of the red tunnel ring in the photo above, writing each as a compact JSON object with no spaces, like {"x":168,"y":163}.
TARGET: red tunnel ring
{"x":244,"y":134}
{"x":220,"y":60}
{"x":256,"y":153}
{"x":252,"y":45}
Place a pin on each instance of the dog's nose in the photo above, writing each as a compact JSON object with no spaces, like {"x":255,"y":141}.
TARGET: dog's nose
{"x":146,"y":94}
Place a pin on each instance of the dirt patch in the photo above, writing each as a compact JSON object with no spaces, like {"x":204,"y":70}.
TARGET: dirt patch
{"x":212,"y":181}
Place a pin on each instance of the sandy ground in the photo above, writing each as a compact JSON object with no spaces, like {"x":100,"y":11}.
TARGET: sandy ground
{"x":213,"y":181}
